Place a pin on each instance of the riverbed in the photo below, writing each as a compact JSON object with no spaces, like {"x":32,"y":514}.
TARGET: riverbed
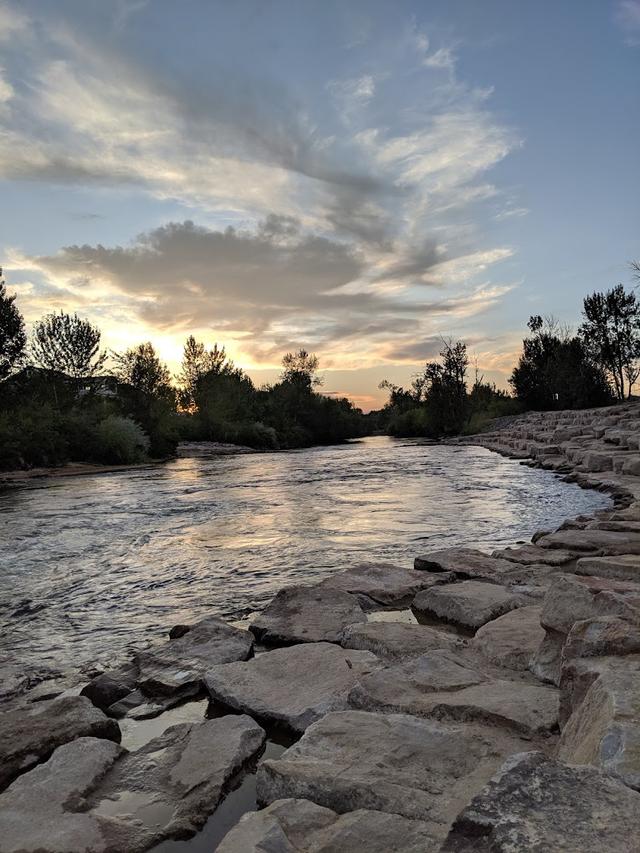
{"x":91,"y":566}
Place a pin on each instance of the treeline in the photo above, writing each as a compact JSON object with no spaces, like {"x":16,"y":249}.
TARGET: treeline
{"x":63,"y":399}
{"x":596,"y":366}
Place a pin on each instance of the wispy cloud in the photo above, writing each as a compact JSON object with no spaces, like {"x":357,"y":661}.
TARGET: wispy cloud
{"x":627,"y":16}
{"x":357,"y":207}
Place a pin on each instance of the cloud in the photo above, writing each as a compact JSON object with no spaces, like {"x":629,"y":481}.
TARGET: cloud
{"x":627,"y":16}
{"x":357,"y":203}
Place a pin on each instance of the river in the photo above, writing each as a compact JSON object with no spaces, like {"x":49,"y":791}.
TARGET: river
{"x":93,"y":565}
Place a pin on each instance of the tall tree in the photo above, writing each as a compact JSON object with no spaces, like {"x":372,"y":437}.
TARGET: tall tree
{"x":65,"y":343}
{"x":196,"y":362}
{"x":13,"y":338}
{"x":301,"y":369}
{"x":141,"y":368}
{"x":611,"y":333}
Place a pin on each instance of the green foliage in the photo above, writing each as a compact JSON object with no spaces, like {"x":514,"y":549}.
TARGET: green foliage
{"x":64,"y":343}
{"x":13,"y":338}
{"x":555,"y":371}
{"x":141,"y":368}
{"x":197,"y":362}
{"x":610,"y":333}
{"x":121,"y":441}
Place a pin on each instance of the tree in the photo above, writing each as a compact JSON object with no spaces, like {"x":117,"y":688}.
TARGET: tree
{"x":13,"y":338}
{"x":66,"y":344}
{"x":196,"y":362}
{"x":611,"y":333}
{"x":555,"y":371}
{"x":141,"y":368}
{"x":301,"y":369}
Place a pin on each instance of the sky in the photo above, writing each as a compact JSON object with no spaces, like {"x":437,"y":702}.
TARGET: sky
{"x":359,"y":178}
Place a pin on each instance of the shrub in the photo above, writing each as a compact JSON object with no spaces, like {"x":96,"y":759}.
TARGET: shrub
{"x":120,"y":441}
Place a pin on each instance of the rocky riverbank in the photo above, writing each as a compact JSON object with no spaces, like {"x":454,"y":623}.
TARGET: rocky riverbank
{"x":470,"y":703}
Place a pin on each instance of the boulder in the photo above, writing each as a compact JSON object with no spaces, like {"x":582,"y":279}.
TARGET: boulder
{"x":300,"y":826}
{"x":511,"y":640}
{"x":604,"y":728}
{"x":609,"y":542}
{"x":397,"y":640}
{"x":420,"y":769}
{"x":572,"y":599}
{"x":469,"y":604}
{"x":437,"y":685}
{"x":382,"y":584}
{"x":465,"y":563}
{"x":111,"y":686}
{"x":292,"y":687}
{"x":179,"y":665}
{"x":306,"y":614}
{"x":622,"y":567}
{"x":29,"y":735}
{"x":97,"y":798}
{"x":168,"y":787}
{"x":52,"y":792}
{"x":602,"y":635}
{"x":530,"y":555}
{"x":537,"y":804}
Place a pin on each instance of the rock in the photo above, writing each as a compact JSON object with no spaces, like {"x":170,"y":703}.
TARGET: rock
{"x":91,"y":796}
{"x":179,"y":665}
{"x":438,"y":685}
{"x":169,"y":787}
{"x":511,"y":640}
{"x":609,"y":542}
{"x":397,"y":640}
{"x":465,"y":563}
{"x":622,"y":567}
{"x":300,"y":826}
{"x":111,"y":686}
{"x":529,"y":555}
{"x":469,"y":604}
{"x":604,"y":729}
{"x":305,"y":614}
{"x":572,"y":599}
{"x":382,"y":584}
{"x":29,"y":735}
{"x":52,"y":792}
{"x":420,"y":769}
{"x":602,"y":635}
{"x":537,"y":804}
{"x":292,"y":687}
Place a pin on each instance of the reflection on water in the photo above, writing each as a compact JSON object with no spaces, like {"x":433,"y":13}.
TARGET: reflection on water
{"x":112,"y":561}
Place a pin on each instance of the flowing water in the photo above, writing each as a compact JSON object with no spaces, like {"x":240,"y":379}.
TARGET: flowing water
{"x":93,"y":565}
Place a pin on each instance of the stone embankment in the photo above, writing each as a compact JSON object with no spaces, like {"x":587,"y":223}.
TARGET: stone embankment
{"x":503,"y":716}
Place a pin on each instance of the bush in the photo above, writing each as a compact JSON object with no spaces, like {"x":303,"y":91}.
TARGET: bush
{"x":120,"y":441}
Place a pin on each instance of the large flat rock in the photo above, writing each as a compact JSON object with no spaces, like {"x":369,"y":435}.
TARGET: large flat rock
{"x":93,"y":797}
{"x":468,"y":604}
{"x":307,"y":614}
{"x":464,"y":563}
{"x":529,"y":555}
{"x":300,"y":826}
{"x":604,"y":728}
{"x":622,"y":567}
{"x":610,"y":542}
{"x":382,"y":584}
{"x":420,"y":769}
{"x":537,"y":804}
{"x":39,"y":814}
{"x":437,"y":685}
{"x":397,"y":640}
{"x":572,"y":599}
{"x":29,"y":735}
{"x":182,"y":662}
{"x":168,"y":787}
{"x":511,"y":640}
{"x":294,"y":686}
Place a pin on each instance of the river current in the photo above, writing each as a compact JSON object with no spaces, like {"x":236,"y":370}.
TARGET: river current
{"x":93,"y":565}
